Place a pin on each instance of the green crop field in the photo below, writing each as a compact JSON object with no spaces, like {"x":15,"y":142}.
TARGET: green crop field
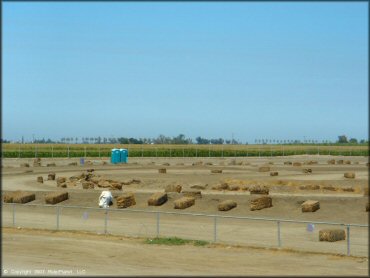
{"x":103,"y":150}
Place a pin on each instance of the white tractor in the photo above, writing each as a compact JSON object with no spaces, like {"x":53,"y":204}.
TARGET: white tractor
{"x":105,"y":199}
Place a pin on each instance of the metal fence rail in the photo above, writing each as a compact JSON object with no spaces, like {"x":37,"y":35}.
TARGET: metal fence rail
{"x":211,"y":227}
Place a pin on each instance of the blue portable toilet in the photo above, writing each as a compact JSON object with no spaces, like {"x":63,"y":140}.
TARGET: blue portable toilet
{"x":115,"y":156}
{"x":124,"y":155}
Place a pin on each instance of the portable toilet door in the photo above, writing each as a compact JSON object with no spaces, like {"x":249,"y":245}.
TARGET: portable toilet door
{"x":124,"y":154}
{"x":115,"y":156}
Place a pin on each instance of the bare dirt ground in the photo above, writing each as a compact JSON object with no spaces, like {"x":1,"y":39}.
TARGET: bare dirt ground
{"x":24,"y":248}
{"x":65,"y":253}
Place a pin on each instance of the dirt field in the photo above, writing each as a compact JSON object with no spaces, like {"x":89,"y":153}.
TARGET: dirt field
{"x":337,"y":204}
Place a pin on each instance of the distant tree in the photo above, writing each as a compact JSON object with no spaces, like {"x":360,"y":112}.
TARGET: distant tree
{"x":353,"y":140}
{"x":342,"y":139}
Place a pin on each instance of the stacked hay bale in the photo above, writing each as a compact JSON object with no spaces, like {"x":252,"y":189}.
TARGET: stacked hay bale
{"x":198,"y":163}
{"x":51,"y":176}
{"x":234,"y":187}
{"x":184,"y":202}
{"x":264,"y":169}
{"x":349,"y":175}
{"x":157,"y":199}
{"x":273,"y":174}
{"x":216,"y":171}
{"x":347,"y":162}
{"x":88,"y":185}
{"x":19,"y":197}
{"x":332,"y":235}
{"x":192,"y":193}
{"x":348,"y":189}
{"x":173,"y":188}
{"x":261,"y":203}
{"x":40,"y":179}
{"x":259,"y":189}
{"x":311,"y":162}
{"x":340,"y":161}
{"x":126,"y":200}
{"x":297,"y":164}
{"x":226,"y":205}
{"x":162,"y":171}
{"x":329,"y":187}
{"x":331,"y":161}
{"x":310,"y":206}
{"x":56,"y":197}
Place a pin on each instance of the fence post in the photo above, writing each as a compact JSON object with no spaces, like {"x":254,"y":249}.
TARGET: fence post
{"x":35,"y":151}
{"x":68,"y":151}
{"x":19,"y":151}
{"x":142,"y":151}
{"x":99,"y":150}
{"x":52,"y":151}
{"x":106,"y":221}
{"x":157,"y":224}
{"x":209,"y":151}
{"x":170,"y":152}
{"x":196,"y":152}
{"x":85,"y":151}
{"x":348,"y":241}
{"x":156,"y":152}
{"x":13,"y":215}
{"x":215,"y":229}
{"x":222,"y":153}
{"x":183,"y":153}
{"x":58,"y":211}
{"x":278,"y":233}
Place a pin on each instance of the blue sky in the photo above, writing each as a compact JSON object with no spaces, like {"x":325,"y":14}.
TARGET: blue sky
{"x":255,"y":70}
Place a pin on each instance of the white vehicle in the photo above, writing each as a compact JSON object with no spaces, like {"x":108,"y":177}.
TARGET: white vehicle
{"x":105,"y":199}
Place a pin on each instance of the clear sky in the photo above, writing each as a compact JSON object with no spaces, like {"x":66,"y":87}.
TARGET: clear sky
{"x":255,"y":70}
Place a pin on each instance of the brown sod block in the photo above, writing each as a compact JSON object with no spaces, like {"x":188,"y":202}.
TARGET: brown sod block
{"x":157,"y":199}
{"x":18,"y":196}
{"x":348,"y":189}
{"x":331,"y":161}
{"x":309,"y":187}
{"x":36,"y":164}
{"x":88,"y":185}
{"x":346,"y":162}
{"x":184,"y":202}
{"x":192,"y":193}
{"x":273,"y":174}
{"x":126,"y":200}
{"x":25,"y":165}
{"x":288,"y":163}
{"x":226,"y":205}
{"x":55,"y":197}
{"x":367,"y":207}
{"x":61,"y":180}
{"x":72,"y":164}
{"x":264,"y":169}
{"x":259,"y":189}
{"x":198,"y":186}
{"x":234,"y":187}
{"x":310,"y":206}
{"x":216,"y":171}
{"x":340,"y":161}
{"x":40,"y":179}
{"x":307,"y":170}
{"x":329,"y":187}
{"x":297,"y":164}
{"x":162,"y":170}
{"x":51,"y":176}
{"x":332,"y":235}
{"x":173,"y":188}
{"x":222,"y":186}
{"x":349,"y":175}
{"x":51,"y":165}
{"x":261,"y":203}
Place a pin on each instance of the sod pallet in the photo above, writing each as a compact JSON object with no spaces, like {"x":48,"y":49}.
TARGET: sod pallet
{"x":53,"y":198}
{"x":349,"y":175}
{"x":259,"y":189}
{"x":340,"y":161}
{"x":61,"y":180}
{"x":40,"y":179}
{"x":273,"y":174}
{"x":332,"y":235}
{"x":184,"y":202}
{"x":309,"y":187}
{"x":162,"y":171}
{"x":88,"y":185}
{"x":261,"y":203}
{"x":331,"y":161}
{"x":222,"y":186}
{"x":297,"y":164}
{"x":226,"y":205}
{"x":126,"y":200}
{"x":310,"y":206}
{"x":19,"y":197}
{"x":173,"y":188}
{"x":192,"y":193}
{"x":157,"y":199}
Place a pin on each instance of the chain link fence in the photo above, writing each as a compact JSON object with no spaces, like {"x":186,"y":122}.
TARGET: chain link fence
{"x":260,"y":232}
